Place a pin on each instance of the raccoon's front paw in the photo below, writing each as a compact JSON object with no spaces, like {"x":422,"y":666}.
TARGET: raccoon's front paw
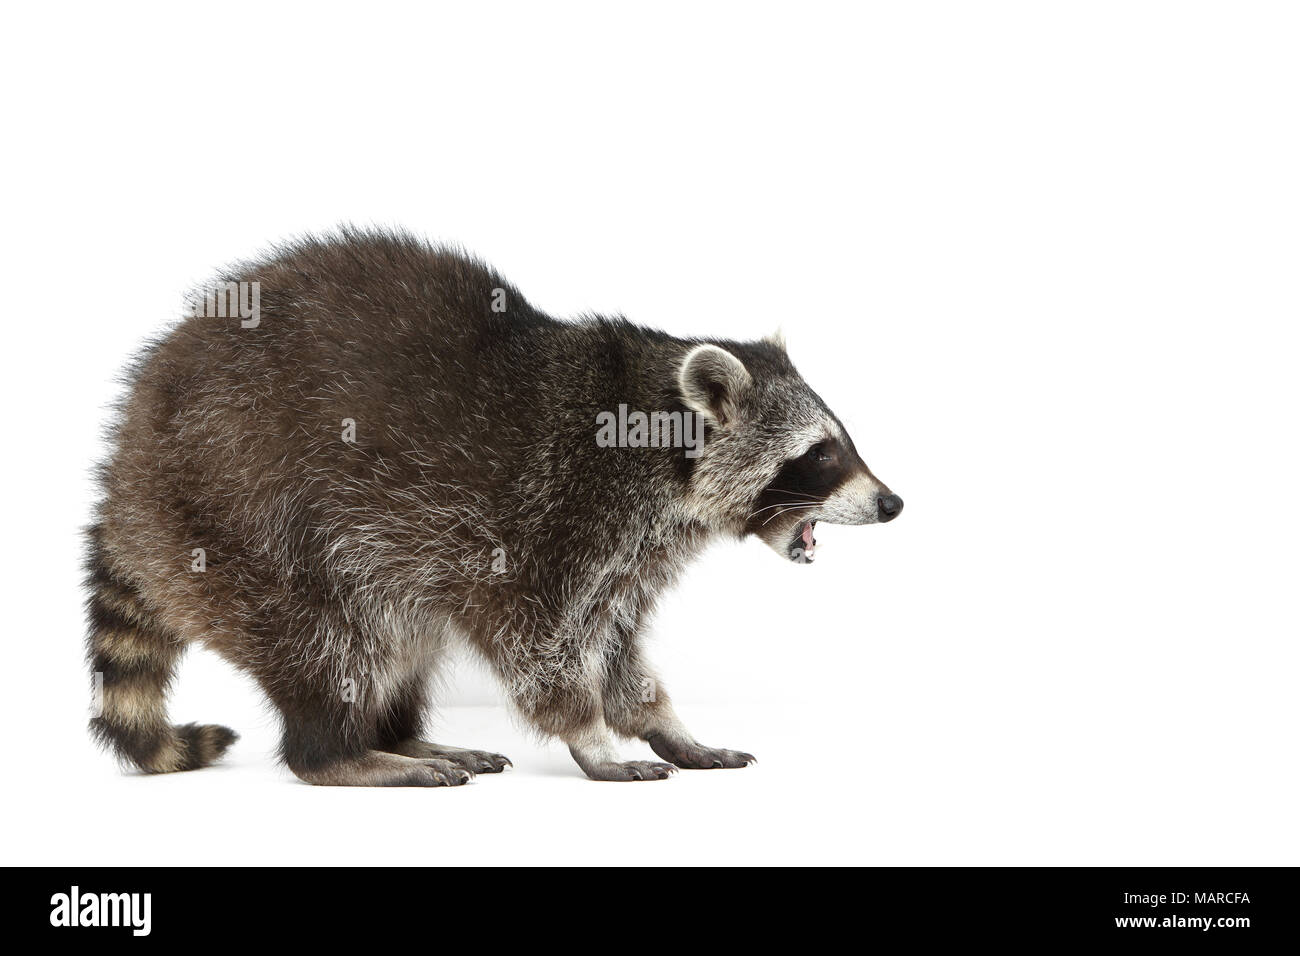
{"x":689,"y":755}
{"x":629,"y":770}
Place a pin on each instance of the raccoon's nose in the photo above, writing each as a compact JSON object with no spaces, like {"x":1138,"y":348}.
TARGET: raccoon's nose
{"x":888,"y":507}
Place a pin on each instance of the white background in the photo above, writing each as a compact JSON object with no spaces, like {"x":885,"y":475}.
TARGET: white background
{"x":1040,"y":258}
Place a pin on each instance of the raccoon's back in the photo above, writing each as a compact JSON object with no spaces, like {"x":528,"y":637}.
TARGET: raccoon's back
{"x":378,"y":387}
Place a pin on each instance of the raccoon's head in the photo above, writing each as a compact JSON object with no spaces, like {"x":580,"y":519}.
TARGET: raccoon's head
{"x":775,"y":460}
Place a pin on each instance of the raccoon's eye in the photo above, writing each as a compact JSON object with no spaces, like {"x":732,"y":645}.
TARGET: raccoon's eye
{"x":819,"y":453}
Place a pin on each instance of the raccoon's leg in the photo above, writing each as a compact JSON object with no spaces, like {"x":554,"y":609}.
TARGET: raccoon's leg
{"x":337,"y":735}
{"x":400,"y":730}
{"x":135,"y":658}
{"x":592,"y":747}
{"x":327,"y":745}
{"x":637,"y":705}
{"x":560,"y":695}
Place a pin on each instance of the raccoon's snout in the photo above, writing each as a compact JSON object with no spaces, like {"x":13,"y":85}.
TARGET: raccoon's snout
{"x":889,"y":507}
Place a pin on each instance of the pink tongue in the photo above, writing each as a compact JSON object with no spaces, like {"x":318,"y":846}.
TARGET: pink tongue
{"x":808,"y":535}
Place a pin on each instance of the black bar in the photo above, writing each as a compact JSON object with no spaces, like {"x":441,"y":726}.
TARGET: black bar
{"x":629,"y":907}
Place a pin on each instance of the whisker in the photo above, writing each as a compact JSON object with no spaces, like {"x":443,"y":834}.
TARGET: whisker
{"x":782,"y":504}
{"x":779,"y":513}
{"x":798,"y":494}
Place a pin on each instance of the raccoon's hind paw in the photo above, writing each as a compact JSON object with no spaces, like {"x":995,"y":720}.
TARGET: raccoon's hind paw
{"x":692,"y":756}
{"x":433,"y":773}
{"x":381,"y":769}
{"x":629,"y":770}
{"x":475,"y":761}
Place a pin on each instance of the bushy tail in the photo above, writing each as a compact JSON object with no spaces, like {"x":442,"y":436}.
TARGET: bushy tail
{"x":133,"y":660}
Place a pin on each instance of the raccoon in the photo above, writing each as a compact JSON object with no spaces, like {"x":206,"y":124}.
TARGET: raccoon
{"x":398,"y":452}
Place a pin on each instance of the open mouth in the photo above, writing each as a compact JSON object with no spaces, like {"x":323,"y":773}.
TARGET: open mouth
{"x":804,"y":544}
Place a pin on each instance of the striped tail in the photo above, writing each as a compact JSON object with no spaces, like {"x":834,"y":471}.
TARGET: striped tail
{"x":135,"y":658}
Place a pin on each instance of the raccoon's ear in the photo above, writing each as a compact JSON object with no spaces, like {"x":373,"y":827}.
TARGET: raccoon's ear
{"x":712,"y":381}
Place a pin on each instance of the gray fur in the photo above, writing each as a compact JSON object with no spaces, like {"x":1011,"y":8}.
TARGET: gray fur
{"x":474,"y":503}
